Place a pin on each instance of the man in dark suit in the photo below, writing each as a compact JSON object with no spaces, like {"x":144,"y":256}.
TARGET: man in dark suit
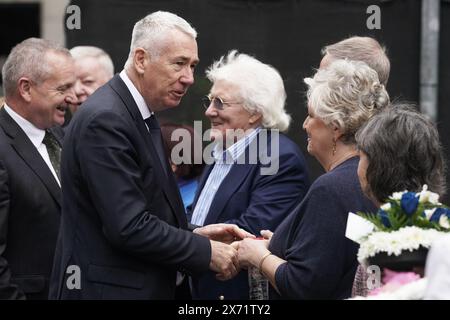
{"x":123,"y":230}
{"x":38,"y":79}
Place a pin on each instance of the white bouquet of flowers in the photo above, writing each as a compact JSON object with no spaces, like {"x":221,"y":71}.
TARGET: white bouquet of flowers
{"x":404,"y":227}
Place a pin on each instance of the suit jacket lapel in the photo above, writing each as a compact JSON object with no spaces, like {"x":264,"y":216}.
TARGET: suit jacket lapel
{"x":169,"y":186}
{"x":28,"y":152}
{"x":237,"y":175}
{"x":229,"y":185}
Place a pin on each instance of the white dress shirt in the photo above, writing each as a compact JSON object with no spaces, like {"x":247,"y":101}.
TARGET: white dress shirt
{"x":138,"y":98}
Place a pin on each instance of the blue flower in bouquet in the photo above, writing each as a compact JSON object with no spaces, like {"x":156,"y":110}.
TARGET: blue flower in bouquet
{"x":406,"y":208}
{"x":404,"y":229}
{"x":409,"y":203}
{"x":384,"y":218}
{"x":438,"y":212}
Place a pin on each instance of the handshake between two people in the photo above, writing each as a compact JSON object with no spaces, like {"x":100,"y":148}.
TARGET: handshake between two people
{"x":233,"y":248}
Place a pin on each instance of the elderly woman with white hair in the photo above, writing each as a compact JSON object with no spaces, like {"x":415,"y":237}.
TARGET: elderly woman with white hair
{"x":258,"y":174}
{"x":308,"y":255}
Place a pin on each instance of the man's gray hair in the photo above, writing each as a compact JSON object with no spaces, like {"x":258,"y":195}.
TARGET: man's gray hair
{"x":28,"y":59}
{"x":346,"y":94}
{"x":152,"y":31}
{"x":403,"y":151}
{"x":363,"y":49}
{"x":260,"y":87}
{"x":81,"y":52}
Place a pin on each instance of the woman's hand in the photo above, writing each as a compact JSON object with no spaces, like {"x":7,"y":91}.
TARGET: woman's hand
{"x":251,"y":251}
{"x":267,"y":234}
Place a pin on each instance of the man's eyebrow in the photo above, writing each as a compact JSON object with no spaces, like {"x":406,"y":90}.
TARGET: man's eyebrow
{"x":184,"y":58}
{"x":65,"y":86}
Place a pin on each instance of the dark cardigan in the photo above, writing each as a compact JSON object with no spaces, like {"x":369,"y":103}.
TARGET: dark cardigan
{"x":321,"y":261}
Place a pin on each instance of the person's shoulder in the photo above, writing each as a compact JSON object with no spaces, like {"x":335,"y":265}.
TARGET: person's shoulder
{"x":285,"y":146}
{"x":102,"y":102}
{"x":340,"y":179}
{"x":102,"y":99}
{"x":286,"y":142}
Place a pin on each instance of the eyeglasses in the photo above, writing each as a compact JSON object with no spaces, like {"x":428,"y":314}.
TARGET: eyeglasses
{"x":217,"y":102}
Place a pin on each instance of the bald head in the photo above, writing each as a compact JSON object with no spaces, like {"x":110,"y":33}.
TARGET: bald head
{"x":363,"y":49}
{"x":94,"y":68}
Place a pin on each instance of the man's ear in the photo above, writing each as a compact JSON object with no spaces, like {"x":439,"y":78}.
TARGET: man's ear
{"x":24,"y":88}
{"x":254,"y":118}
{"x":140,"y":59}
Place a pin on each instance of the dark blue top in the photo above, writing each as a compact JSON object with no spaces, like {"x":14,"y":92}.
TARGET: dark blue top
{"x":321,"y":261}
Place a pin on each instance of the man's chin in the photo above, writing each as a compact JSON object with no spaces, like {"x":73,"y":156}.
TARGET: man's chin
{"x":59,"y":121}
{"x":175,"y":101}
{"x":73,"y":107}
{"x":166,"y":104}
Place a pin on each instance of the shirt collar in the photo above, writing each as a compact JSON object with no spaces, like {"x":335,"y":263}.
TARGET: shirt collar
{"x":138,"y":98}
{"x":35,"y":134}
{"x":236,"y":149}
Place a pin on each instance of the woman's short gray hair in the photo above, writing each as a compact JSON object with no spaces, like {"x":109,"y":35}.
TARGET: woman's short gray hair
{"x":28,"y":59}
{"x":260,"y":86}
{"x":404,"y":152}
{"x":151,"y":32}
{"x":346,"y":94}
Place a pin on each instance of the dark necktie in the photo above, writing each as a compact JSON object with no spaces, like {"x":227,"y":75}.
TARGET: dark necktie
{"x":54,"y":151}
{"x":155,"y":133}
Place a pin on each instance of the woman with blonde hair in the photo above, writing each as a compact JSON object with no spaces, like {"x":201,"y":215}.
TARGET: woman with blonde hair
{"x":308,"y":256}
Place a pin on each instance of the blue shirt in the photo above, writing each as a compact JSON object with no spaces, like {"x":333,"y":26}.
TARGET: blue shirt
{"x":224,"y":160}
{"x":187,"y":191}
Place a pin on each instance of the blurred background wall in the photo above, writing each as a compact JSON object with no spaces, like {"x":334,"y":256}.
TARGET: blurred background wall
{"x":287,"y":34}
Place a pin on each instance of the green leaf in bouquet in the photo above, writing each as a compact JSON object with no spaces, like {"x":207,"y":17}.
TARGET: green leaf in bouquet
{"x":397,"y":219}
{"x":372,"y":217}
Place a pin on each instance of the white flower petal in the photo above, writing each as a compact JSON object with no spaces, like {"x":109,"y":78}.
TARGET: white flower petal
{"x":443,"y":222}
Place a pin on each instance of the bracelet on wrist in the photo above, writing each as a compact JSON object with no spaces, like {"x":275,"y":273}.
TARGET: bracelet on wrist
{"x":262,"y":260}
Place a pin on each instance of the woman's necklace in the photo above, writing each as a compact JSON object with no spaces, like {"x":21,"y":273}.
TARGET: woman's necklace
{"x":340,"y":160}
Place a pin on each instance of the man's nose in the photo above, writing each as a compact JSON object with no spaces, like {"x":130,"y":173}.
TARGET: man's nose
{"x":188,"y":77}
{"x":71,"y":96}
{"x":79,"y":89}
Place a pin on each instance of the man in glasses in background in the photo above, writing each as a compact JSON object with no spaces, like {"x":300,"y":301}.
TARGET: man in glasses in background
{"x":123,"y":222}
{"x":246,"y":108}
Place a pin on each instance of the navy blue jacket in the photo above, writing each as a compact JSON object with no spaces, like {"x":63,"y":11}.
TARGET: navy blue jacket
{"x":321,"y":261}
{"x":254,"y":202}
{"x":123,"y":222}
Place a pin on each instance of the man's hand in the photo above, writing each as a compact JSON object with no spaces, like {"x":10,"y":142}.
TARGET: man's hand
{"x":224,"y":260}
{"x":223,"y":232}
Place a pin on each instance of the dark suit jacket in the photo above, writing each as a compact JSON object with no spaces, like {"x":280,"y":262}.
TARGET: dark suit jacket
{"x":122,"y":220}
{"x":254,"y":202}
{"x":29,"y":215}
